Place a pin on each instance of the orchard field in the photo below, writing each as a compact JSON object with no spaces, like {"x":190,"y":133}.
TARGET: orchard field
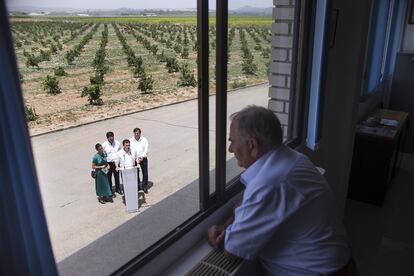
{"x":78,"y":70}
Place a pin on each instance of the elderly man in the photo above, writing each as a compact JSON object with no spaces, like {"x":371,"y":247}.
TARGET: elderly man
{"x":288,"y":218}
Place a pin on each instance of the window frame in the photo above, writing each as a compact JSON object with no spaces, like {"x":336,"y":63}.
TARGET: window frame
{"x":317,"y":65}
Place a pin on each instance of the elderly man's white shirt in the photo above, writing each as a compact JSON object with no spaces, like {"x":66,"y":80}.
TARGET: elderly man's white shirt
{"x":139,"y":146}
{"x":288,"y":218}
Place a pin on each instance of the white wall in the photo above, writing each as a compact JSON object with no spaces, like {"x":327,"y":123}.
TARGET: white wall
{"x":408,"y":42}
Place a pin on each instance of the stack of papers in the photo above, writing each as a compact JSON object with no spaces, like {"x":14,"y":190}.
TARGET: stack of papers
{"x":382,"y":131}
{"x":389,"y":122}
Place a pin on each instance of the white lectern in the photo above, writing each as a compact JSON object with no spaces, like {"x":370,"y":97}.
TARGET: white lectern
{"x":130,"y":180}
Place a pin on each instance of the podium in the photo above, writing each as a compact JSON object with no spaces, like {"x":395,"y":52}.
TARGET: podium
{"x":130,"y":182}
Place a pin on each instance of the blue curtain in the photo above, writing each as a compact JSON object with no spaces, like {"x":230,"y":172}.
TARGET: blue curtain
{"x":376,"y":46}
{"x":25,"y":247}
{"x":316,"y":78}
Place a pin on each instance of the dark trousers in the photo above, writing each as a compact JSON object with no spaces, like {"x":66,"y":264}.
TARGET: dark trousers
{"x":350,"y":269}
{"x":116,"y":176}
{"x":144,"y":170}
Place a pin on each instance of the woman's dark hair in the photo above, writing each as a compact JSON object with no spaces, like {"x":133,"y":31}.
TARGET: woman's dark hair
{"x":97,"y":146}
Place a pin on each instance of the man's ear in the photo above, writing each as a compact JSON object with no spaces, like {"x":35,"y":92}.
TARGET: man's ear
{"x":254,"y":147}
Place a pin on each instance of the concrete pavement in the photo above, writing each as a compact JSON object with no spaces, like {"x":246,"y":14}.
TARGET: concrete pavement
{"x":63,"y":161}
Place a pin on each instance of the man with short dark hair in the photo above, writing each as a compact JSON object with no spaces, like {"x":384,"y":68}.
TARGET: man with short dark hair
{"x":139,"y":144}
{"x":288,"y":217}
{"x":111,"y":147}
{"x":126,"y":156}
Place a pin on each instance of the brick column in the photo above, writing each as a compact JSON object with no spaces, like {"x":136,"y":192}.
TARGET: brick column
{"x":281,"y":59}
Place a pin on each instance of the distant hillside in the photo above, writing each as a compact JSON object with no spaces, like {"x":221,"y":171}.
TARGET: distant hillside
{"x":246,"y":10}
{"x":253,"y":10}
{"x":30,"y":9}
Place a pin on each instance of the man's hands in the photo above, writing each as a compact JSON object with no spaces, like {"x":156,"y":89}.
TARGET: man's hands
{"x":215,"y":235}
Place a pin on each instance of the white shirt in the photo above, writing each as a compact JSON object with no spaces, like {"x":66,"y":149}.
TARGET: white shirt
{"x":288,"y":218}
{"x":111,"y":150}
{"x":126,"y":159}
{"x":139,"y":146}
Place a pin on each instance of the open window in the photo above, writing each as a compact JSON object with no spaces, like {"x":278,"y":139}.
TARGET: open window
{"x":229,"y":55}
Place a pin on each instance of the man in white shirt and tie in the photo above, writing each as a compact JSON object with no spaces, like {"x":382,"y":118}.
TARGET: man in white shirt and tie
{"x":139,"y":144}
{"x":111,"y":147}
{"x":126,"y":163}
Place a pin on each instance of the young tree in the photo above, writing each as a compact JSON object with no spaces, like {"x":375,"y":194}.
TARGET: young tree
{"x":248,"y":67}
{"x":32,"y":61}
{"x":94,"y":94}
{"x":187,"y":77}
{"x":51,"y":85}
{"x":31,"y":113}
{"x":59,"y":71}
{"x":184,"y":53}
{"x":172,"y":65}
{"x":145,"y":83}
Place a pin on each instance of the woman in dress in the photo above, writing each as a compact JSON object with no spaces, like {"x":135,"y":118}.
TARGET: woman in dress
{"x":99,"y":164}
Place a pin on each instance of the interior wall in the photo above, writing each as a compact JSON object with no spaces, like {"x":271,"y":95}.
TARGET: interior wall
{"x":372,"y":101}
{"x":343,"y":85}
{"x":408,"y":42}
{"x":402,"y":97}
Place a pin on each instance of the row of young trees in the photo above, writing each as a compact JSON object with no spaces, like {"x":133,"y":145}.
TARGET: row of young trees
{"x":165,"y":35}
{"x":45,"y":35}
{"x":135,"y":63}
{"x":186,"y":78}
{"x":172,"y":41}
{"x":50,"y":44}
{"x":248,"y":66}
{"x":150,"y":37}
{"x":265,"y":51}
{"x":74,"y":33}
{"x":93,"y":91}
{"x":75,"y":52}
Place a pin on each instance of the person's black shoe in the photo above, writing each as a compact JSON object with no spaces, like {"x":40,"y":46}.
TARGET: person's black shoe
{"x":120,"y":192}
{"x":145,"y":190}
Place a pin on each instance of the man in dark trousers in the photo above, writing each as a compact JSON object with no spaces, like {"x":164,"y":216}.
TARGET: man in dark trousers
{"x":139,"y":144}
{"x":111,"y":147}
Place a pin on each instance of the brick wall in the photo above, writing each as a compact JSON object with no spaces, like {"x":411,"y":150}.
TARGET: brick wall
{"x":281,"y":59}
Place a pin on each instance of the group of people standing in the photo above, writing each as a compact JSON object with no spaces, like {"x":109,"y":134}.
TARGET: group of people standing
{"x":112,"y":157}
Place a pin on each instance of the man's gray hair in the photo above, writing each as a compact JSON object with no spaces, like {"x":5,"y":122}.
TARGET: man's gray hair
{"x":259,"y":123}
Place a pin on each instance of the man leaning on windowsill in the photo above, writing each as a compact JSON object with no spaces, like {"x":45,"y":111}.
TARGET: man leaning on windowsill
{"x":288,"y":218}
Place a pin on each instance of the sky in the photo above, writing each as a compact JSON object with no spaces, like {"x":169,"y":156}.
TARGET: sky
{"x":137,"y":4}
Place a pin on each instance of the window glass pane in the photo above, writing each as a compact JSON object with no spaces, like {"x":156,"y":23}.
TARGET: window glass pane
{"x":89,"y":72}
{"x":249,"y":49}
